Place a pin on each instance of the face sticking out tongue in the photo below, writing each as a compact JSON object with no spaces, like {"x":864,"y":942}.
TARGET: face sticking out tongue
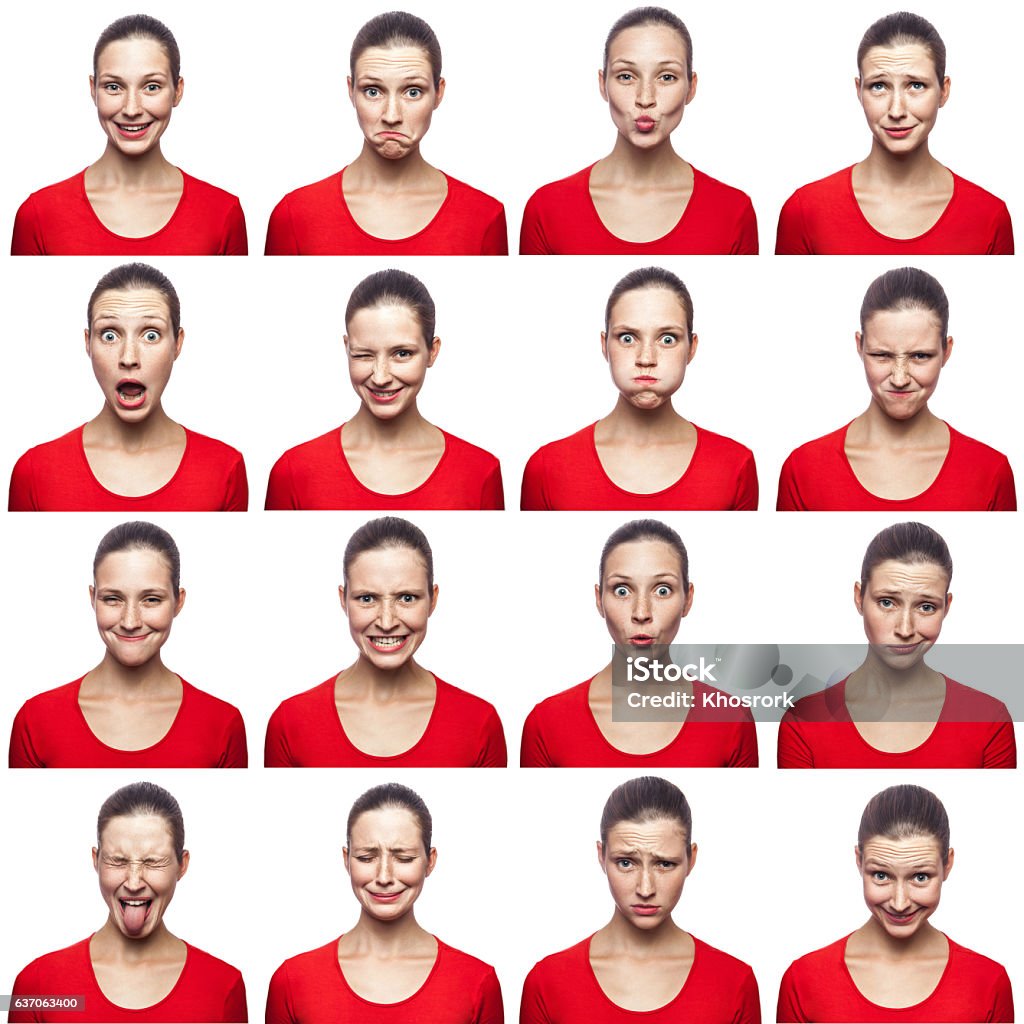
{"x":135,"y":914}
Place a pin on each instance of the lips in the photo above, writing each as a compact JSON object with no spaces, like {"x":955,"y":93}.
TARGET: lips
{"x":644,"y":909}
{"x":133,"y":131}
{"x":135,"y":913}
{"x":645,"y":380}
{"x":131,"y":394}
{"x":384,"y":395}
{"x":898,"y":133}
{"x":641,"y":640}
{"x":384,"y":897}
{"x":645,"y":124}
{"x":900,"y":919}
{"x":388,"y":644}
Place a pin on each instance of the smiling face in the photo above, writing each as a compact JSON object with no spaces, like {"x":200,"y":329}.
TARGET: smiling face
{"x":647,"y":346}
{"x":135,"y":604}
{"x":901,"y":96}
{"x":134,"y":94}
{"x":138,"y":872}
{"x":646,"y":863}
{"x":902,"y":881}
{"x":387,"y":862}
{"x":388,"y":601}
{"x":645,"y":83}
{"x":394,"y":97}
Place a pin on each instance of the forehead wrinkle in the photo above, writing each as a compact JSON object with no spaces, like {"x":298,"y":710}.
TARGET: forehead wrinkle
{"x":912,"y":851}
{"x":907,"y":60}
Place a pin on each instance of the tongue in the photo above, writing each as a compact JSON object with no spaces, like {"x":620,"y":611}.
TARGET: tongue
{"x":135,"y":918}
{"x":132,"y":390}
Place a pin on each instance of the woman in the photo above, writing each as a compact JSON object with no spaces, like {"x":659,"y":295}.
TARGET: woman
{"x":898,"y":454}
{"x":643,"y":454}
{"x":643,"y":593}
{"x":387,"y":969}
{"x":133,"y":968}
{"x":643,"y":197}
{"x":899,"y":199}
{"x":132,"y":201}
{"x":389,"y":200}
{"x":898,"y":966}
{"x":385,"y":709}
{"x":894,"y":711}
{"x":387,"y":456}
{"x":130,"y":711}
{"x":132,"y":456}
{"x":642,"y":961}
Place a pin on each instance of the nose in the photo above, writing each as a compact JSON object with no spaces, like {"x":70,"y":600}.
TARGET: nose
{"x":645,"y":883}
{"x":644,"y":93}
{"x":900,"y":900}
{"x":642,"y":608}
{"x":381,"y":371}
{"x":132,"y":106}
{"x":135,"y":881}
{"x":392,"y":110}
{"x":386,"y":618}
{"x":385,"y":871}
{"x":647,"y":354}
{"x":897,"y":105}
{"x":904,"y":625}
{"x":900,"y":375}
{"x":131,"y":619}
{"x":129,"y":354}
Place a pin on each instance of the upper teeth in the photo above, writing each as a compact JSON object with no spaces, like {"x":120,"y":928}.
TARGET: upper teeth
{"x":387,"y":641}
{"x":135,"y":903}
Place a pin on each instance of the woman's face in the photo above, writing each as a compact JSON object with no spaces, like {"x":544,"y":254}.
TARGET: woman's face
{"x":642,"y":597}
{"x":646,"y":863}
{"x":135,"y":604}
{"x":388,"y":359}
{"x":388,"y":602}
{"x":645,"y":83}
{"x":132,"y":346}
{"x":647,"y":346}
{"x":902,"y":881}
{"x":394,"y":95}
{"x":901,"y":96}
{"x":138,"y":872}
{"x":903,"y":608}
{"x":134,"y":94}
{"x":903,"y":354}
{"x":387,"y":863}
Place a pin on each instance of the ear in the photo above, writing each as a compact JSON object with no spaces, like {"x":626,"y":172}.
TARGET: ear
{"x":344,"y":849}
{"x":944,"y":94}
{"x":351,"y":91}
{"x":344,"y":341}
{"x":92,"y":88}
{"x":601,"y":85}
{"x":179,"y":602}
{"x":948,"y":350}
{"x":432,"y":351}
{"x":600,"y":856}
{"x":597,"y":599}
{"x":179,"y":342}
{"x":949,"y":601}
{"x":95,"y":852}
{"x":431,"y":860}
{"x":88,"y":343}
{"x":860,"y":95}
{"x":440,"y":94}
{"x":689,"y":602}
{"x":92,"y":595}
{"x":949,"y":859}
{"x":693,"y":858}
{"x":433,"y":600}
{"x":858,"y":857}
{"x":341,"y":595}
{"x":693,"y":348}
{"x":858,"y":598}
{"x":860,"y":342}
{"x":693,"y":88}
{"x":604,"y":344}
{"x":179,"y":91}
{"x":183,"y":866}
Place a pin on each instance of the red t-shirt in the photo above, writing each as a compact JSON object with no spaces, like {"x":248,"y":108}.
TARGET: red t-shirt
{"x":56,"y":477}
{"x":316,"y":475}
{"x":974,"y":730}
{"x":59,"y":221}
{"x":818,"y":477}
{"x":315,"y":221}
{"x":818,"y":987}
{"x":561,"y":732}
{"x":206,"y":990}
{"x":311,"y":989}
{"x":568,"y":474}
{"x":561,"y":220}
{"x":563,"y":989}
{"x":50,"y":731}
{"x":463,"y":731}
{"x":824,"y":218}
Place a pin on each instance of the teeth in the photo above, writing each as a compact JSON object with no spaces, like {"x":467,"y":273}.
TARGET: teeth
{"x":135,"y":903}
{"x":387,"y":641}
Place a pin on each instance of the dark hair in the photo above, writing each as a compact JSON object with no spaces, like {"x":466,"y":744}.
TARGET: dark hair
{"x":651,"y":277}
{"x":135,"y":276}
{"x":651,"y":16}
{"x":903,"y":812}
{"x":906,"y":542}
{"x":647,"y":529}
{"x":394,"y":288}
{"x":899,"y":29}
{"x":397,"y":28}
{"x":141,"y":536}
{"x":392,"y":794}
{"x":648,"y":798}
{"x":389,"y":532}
{"x":144,"y":799}
{"x":140,"y":26}
{"x":904,"y":289}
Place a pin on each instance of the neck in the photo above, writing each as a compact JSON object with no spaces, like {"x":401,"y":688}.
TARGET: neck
{"x":385,"y":938}
{"x":879,"y":941}
{"x":109,"y":943}
{"x":370,"y":169}
{"x":641,"y":166}
{"x":115,"y":169}
{"x":874,"y":679}
{"x":365,"y":680}
{"x":619,"y":936}
{"x":109,"y":431}
{"x":906,"y":170}
{"x":876,"y":427}
{"x":150,"y":680}
{"x":644,"y":425}
{"x":402,"y":431}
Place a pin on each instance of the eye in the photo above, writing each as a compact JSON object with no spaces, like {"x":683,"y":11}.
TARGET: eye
{"x":918,"y":86}
{"x":876,"y":87}
{"x":927,"y":607}
{"x":414,"y":93}
{"x":886,"y":602}
{"x":623,"y":863}
{"x":108,"y":335}
{"x":666,"y":865}
{"x":627,"y":338}
{"x":151,"y":336}
{"x":405,"y":353}
{"x":922,"y":877}
{"x":668,"y":77}
{"x":152,"y":87}
{"x":408,"y":599}
{"x":668,"y":340}
{"x":664,"y":590}
{"x":621,"y":590}
{"x":879,"y":876}
{"x":624,"y":76}
{"x":153,"y":600}
{"x":371,"y":92}
{"x":365,"y":599}
{"x":111,"y":87}
{"x":111,"y":599}
{"x":922,"y":357}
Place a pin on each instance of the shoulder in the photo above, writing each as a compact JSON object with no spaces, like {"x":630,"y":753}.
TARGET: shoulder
{"x":471,"y":199}
{"x":315,"y":450}
{"x":979,"y":198}
{"x":462,"y":702}
{"x":566,"y":447}
{"x":466,"y":964}
{"x":556,"y":192}
{"x":206,"y":193}
{"x":820,"y":449}
{"x":213,"y":969}
{"x":728,"y":968}
{"x":976,"y":451}
{"x":303,"y":703}
{"x":60,"y":963}
{"x":555,"y":967}
{"x":558,"y":705}
{"x":469,"y":455}
{"x":313,"y":961}
{"x":823,"y":189}
{"x":966,"y":704}
{"x":210,"y":449}
{"x":820,"y":962}
{"x":314,"y":195}
{"x":816,"y":707}
{"x":206,"y":706}
{"x":983,"y":969}
{"x":721,"y":447}
{"x":57,"y":193}
{"x":51,"y":702}
{"x":59,"y":447}
{"x":717,"y":190}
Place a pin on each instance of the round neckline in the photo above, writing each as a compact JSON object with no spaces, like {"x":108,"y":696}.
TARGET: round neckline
{"x":140,"y":1009}
{"x":896,"y":501}
{"x":641,"y":1013}
{"x":398,"y":494}
{"x":136,"y":238}
{"x":132,"y":497}
{"x":405,"y":238}
{"x":644,"y":494}
{"x":585,"y":691}
{"x":654,"y":241}
{"x":892,"y":238}
{"x":77,"y":684}
{"x":897,"y":1009}
{"x":400,"y":1002}
{"x":895,"y":753}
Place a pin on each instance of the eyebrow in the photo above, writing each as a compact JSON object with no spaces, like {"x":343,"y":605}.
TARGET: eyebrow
{"x":674,"y":328}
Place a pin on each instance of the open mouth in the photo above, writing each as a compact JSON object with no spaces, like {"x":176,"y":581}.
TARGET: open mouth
{"x":135,"y":913}
{"x":131,"y":393}
{"x":901,"y":918}
{"x":388,"y":643}
{"x":133,"y":131}
{"x":384,"y":395}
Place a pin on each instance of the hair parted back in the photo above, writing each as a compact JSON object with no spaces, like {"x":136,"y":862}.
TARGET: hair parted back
{"x":141,"y":536}
{"x":904,"y":289}
{"x":647,"y":529}
{"x":140,"y":26}
{"x":392,"y":794}
{"x":905,"y":812}
{"x":914,"y":543}
{"x":133,"y":277}
{"x":394,"y":288}
{"x":397,"y":28}
{"x":901,"y":29}
{"x":651,"y":277}
{"x":648,"y":798}
{"x":389,"y":532}
{"x":144,"y":799}
{"x":650,"y":16}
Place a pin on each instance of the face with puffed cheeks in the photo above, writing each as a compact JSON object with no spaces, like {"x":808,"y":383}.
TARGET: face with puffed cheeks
{"x":387,"y":863}
{"x":647,"y":346}
{"x":388,"y":359}
{"x":388,"y":601}
{"x":138,"y":871}
{"x":903,"y":355}
{"x":902,"y":881}
{"x":134,"y":94}
{"x":394,"y":97}
{"x":135,"y":605}
{"x":646,"y":863}
{"x":645,"y":84}
{"x":901,"y":96}
{"x":132,"y":346}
